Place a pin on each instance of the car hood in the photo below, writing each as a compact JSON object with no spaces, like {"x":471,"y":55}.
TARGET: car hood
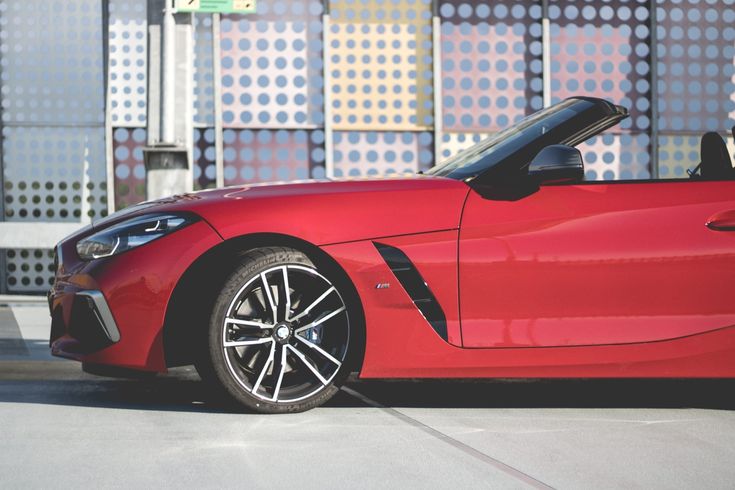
{"x":322,"y":212}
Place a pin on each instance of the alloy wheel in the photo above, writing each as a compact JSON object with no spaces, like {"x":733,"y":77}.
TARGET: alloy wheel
{"x":285,"y":334}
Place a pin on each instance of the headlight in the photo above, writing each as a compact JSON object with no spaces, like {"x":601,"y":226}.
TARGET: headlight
{"x":130,"y":234}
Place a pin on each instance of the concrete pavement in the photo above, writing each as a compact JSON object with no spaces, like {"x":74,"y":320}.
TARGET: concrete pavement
{"x":61,"y":427}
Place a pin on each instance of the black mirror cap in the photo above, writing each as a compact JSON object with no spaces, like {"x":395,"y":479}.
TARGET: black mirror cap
{"x":557,"y":164}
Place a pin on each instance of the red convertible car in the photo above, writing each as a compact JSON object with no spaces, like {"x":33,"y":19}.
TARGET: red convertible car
{"x":501,"y":262}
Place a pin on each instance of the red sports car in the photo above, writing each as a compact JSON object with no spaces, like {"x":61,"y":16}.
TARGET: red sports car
{"x":500,"y":262}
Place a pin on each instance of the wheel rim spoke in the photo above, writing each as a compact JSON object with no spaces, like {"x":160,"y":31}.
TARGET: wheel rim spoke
{"x":281,"y":371}
{"x":247,"y":323}
{"x":267,"y":364}
{"x":319,"y":350}
{"x":284,"y":296}
{"x":243,"y":343}
{"x":314,"y":304}
{"x":320,"y":320}
{"x":306,"y":362}
{"x":269,"y":295}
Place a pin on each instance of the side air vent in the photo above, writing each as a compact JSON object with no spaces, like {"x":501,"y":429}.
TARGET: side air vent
{"x":415,"y":286}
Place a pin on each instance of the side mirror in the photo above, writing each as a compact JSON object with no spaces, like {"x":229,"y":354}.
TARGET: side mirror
{"x":557,"y":164}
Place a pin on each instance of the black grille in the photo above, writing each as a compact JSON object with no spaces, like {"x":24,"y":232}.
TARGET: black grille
{"x":415,"y":286}
{"x":86,"y":324}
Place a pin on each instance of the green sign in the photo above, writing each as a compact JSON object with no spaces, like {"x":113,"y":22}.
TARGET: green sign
{"x":216,"y":6}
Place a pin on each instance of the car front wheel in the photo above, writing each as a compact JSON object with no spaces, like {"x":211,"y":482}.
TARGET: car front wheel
{"x":281,"y":335}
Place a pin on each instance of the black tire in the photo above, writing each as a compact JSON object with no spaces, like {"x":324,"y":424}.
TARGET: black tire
{"x":243,"y":360}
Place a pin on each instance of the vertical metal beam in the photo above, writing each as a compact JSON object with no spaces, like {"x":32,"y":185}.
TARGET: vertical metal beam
{"x":168,"y":74}
{"x":169,"y":167}
{"x":184,"y":97}
{"x":546,"y":52}
{"x":328,"y":133}
{"x":653,"y":80}
{"x":3,"y":260}
{"x":153,"y":124}
{"x":219,"y":164}
{"x":109,"y":155}
{"x":437,"y":73}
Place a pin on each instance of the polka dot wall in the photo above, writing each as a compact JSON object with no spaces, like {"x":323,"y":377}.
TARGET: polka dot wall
{"x":270,"y":88}
{"x":127,"y":147}
{"x":204,"y":157}
{"x":695,"y":46}
{"x":272,"y":66}
{"x":53,"y":103}
{"x":491,"y":68}
{"x":203,"y":71}
{"x":128,"y":62}
{"x":382,"y":153}
{"x":271,"y":155}
{"x":603,"y":50}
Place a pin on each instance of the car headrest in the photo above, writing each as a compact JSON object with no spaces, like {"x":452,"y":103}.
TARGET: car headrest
{"x":716,"y":162}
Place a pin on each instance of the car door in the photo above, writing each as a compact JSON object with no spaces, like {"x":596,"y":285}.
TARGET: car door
{"x":598,"y":263}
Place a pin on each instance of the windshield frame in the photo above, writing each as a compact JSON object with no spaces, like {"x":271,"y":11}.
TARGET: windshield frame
{"x":484,"y":162}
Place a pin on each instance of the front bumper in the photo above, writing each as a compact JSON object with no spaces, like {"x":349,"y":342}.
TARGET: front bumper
{"x":112,"y":311}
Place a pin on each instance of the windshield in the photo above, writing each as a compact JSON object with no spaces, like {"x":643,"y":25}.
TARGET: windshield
{"x":522,"y":141}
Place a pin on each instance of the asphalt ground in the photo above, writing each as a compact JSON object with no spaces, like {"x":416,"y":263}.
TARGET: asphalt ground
{"x":63,"y":428}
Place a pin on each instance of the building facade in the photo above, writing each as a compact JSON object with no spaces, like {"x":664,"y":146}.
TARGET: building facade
{"x":310,"y":89}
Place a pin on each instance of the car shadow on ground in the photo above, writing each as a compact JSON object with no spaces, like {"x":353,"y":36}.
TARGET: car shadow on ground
{"x":181,"y":390}
{"x":563,"y":393}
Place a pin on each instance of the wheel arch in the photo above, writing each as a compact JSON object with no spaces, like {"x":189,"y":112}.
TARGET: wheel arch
{"x":190,"y":304}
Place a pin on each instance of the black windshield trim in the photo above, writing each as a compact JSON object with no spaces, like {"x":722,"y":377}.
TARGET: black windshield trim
{"x":592,"y":120}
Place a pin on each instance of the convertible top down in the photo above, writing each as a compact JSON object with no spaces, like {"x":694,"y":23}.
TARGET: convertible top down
{"x":500,"y":262}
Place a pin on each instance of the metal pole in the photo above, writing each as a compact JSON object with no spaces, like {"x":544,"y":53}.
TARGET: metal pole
{"x":653,"y":57}
{"x":437,"y":71}
{"x":219,"y":164}
{"x":3,"y":258}
{"x":109,"y":152}
{"x":328,"y":132}
{"x":546,"y":52}
{"x":168,"y":74}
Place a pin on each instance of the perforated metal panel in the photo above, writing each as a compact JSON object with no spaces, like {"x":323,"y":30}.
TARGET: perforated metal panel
{"x":695,"y":43}
{"x":602,"y":49}
{"x":272,"y":66}
{"x":53,"y":115}
{"x":204,"y":156}
{"x":491,"y":65}
{"x":44,"y":173}
{"x":696,"y":47}
{"x":129,"y":168}
{"x":453,"y":143}
{"x":203,"y":71}
{"x":613,"y":156}
{"x":52,"y":61}
{"x":28,"y":270}
{"x":491,"y":68}
{"x":128,"y":62}
{"x":268,"y":155}
{"x":381,"y":59}
{"x":381,"y":153}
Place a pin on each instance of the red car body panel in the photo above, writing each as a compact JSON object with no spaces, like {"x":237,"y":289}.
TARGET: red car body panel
{"x":433,"y":254}
{"x":137,"y":286}
{"x":400,"y":343}
{"x":597,"y":264}
{"x":323,"y":212}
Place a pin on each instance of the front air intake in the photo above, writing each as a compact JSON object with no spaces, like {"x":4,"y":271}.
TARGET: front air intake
{"x":415,"y":286}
